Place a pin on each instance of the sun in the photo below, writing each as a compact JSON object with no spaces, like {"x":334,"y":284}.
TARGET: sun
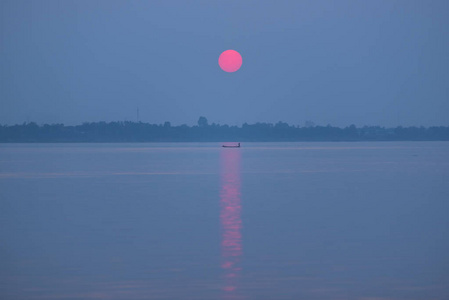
{"x":230,"y":61}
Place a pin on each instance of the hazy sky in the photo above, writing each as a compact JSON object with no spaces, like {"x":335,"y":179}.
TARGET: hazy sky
{"x":331,"y":62}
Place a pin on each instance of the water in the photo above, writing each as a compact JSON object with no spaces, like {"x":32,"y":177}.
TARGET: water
{"x":365,"y":221}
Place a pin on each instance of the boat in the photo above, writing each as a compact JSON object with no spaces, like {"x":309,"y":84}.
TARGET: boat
{"x":231,"y":146}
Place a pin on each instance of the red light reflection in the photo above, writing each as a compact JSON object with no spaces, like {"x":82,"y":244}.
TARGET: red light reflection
{"x":230,"y":217}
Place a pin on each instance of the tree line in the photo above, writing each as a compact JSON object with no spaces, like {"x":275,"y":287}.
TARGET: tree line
{"x":205,"y":132}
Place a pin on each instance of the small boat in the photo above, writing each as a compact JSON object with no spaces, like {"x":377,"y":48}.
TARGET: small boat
{"x":231,"y":146}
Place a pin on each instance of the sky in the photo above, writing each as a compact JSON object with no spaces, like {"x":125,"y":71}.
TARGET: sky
{"x":382,"y":62}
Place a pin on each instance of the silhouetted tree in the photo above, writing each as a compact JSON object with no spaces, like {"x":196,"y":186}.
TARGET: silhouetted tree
{"x":202,"y":122}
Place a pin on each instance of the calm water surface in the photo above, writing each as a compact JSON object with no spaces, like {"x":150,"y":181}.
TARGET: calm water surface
{"x":365,"y":221}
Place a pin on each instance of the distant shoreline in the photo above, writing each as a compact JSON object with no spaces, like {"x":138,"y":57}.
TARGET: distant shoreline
{"x":138,"y":132}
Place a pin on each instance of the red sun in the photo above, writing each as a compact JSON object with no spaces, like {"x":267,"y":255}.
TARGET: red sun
{"x":230,"y":61}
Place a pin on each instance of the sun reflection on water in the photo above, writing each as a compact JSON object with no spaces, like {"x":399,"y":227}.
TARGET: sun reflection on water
{"x":231,"y":222}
